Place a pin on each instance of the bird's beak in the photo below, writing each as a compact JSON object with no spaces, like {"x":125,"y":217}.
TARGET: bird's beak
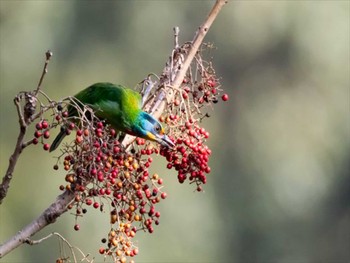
{"x":165,"y":141}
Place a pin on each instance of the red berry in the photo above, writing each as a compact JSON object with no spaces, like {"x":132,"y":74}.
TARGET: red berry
{"x":163,"y":195}
{"x":211,"y":83}
{"x":76,"y":227}
{"x":45,"y":124}
{"x":79,"y":132}
{"x":96,"y":205}
{"x":39,"y":126}
{"x":37,"y":134}
{"x":93,"y":171}
{"x":46,"y":134}
{"x":100,"y":176}
{"x":46,"y":146}
{"x":225,"y":97}
{"x":112,"y":132}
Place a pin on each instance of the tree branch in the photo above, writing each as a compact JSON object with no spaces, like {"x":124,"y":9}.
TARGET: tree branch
{"x":25,"y":118}
{"x":15,"y":155}
{"x":49,"y":216}
{"x":159,"y":106}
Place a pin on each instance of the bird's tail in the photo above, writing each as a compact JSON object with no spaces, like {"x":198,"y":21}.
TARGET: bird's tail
{"x":58,"y":140}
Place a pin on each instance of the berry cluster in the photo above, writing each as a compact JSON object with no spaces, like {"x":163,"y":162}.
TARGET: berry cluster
{"x":104,"y":174}
{"x":200,"y":89}
{"x":42,"y":131}
{"x":190,"y":156}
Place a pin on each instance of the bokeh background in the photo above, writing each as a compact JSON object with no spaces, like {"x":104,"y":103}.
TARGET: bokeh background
{"x":279,"y":190}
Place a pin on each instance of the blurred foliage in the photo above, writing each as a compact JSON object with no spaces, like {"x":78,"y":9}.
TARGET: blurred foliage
{"x":279,"y":190}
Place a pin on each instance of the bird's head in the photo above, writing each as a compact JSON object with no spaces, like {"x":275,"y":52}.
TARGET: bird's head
{"x":149,"y":128}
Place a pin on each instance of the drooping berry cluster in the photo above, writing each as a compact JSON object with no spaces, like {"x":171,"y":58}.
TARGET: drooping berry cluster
{"x":104,"y":175}
{"x":190,"y":156}
{"x":200,"y":89}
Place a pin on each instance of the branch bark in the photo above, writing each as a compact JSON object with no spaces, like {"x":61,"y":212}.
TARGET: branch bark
{"x":59,"y":207}
{"x":49,"y":216}
{"x":25,"y":118}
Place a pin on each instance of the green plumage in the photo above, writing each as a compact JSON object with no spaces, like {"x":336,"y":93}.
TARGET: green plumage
{"x":121,"y":108}
{"x":115,"y":103}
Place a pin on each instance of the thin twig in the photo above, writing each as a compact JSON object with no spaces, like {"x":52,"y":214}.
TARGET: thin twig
{"x":62,"y":239}
{"x":48,"y":57}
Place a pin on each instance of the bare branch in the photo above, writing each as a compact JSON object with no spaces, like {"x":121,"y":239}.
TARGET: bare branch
{"x":25,"y":118}
{"x":48,"y":57}
{"x":49,"y":216}
{"x":14,"y":157}
{"x":160,"y":103}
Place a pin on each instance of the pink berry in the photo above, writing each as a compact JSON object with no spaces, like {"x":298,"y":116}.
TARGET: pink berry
{"x":225,"y":97}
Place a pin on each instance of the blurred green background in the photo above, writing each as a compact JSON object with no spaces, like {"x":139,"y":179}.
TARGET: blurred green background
{"x":279,"y":190}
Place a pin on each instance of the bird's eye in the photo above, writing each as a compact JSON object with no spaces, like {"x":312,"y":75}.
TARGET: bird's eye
{"x":157,"y":128}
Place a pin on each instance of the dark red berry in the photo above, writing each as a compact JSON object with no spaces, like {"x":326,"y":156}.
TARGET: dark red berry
{"x":37,"y":134}
{"x":39,"y":126}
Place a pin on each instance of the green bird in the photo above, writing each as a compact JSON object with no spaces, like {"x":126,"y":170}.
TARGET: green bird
{"x":121,"y":108}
